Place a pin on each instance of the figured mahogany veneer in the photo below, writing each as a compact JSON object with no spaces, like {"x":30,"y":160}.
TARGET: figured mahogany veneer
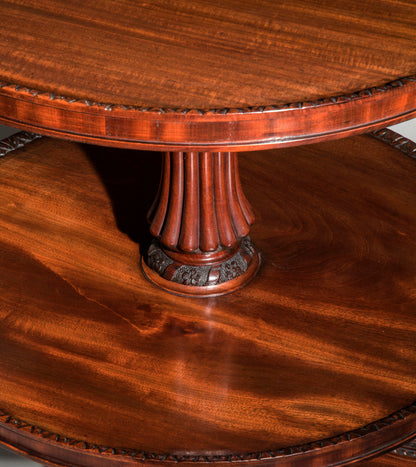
{"x":387,"y":460}
{"x":312,"y":364}
{"x":211,"y":54}
{"x":206,"y":78}
{"x":324,"y":336}
{"x":211,"y":75}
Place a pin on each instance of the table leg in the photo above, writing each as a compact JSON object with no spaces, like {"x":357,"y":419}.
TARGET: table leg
{"x":200,"y":220}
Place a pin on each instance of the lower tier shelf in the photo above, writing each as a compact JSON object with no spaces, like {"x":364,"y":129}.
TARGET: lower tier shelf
{"x":312,"y":363}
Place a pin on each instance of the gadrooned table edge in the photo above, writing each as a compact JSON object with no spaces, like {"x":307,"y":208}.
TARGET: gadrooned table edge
{"x":368,"y":441}
{"x":208,"y":129}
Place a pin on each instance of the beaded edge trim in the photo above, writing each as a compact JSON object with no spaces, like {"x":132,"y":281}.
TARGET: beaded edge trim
{"x":232,"y":457}
{"x":370,"y":92}
{"x":408,"y":449}
{"x":396,"y":141}
{"x":16,"y":141}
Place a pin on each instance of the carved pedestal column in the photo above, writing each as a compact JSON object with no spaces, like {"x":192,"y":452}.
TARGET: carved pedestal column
{"x":201,"y":220}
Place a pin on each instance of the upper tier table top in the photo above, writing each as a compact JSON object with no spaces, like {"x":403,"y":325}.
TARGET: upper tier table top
{"x":206,"y":73}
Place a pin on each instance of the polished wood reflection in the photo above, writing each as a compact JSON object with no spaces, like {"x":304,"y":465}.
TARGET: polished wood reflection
{"x":206,"y":54}
{"x":321,"y":343}
{"x":212,"y":75}
{"x":200,"y":220}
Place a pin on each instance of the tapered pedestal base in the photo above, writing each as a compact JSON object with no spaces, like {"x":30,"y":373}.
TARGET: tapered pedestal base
{"x":201,"y":220}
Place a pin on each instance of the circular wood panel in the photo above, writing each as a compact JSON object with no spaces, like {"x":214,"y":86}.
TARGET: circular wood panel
{"x":314,"y":361}
{"x":206,"y":54}
{"x":206,"y":73}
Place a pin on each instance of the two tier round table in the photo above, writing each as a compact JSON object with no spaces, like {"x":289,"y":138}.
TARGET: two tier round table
{"x":209,"y":255}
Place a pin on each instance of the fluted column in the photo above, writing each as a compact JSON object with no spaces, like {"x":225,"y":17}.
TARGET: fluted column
{"x":200,"y":219}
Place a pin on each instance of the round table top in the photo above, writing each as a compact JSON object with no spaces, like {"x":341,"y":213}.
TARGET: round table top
{"x":312,"y":364}
{"x":219,"y":62}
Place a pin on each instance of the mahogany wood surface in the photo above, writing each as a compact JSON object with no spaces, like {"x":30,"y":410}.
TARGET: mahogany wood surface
{"x":312,"y":364}
{"x":206,"y":73}
{"x":201,"y":220}
{"x":387,"y":460}
{"x":206,"y":54}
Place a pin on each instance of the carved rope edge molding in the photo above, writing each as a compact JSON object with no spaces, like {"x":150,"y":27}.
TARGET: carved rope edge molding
{"x":406,"y":450}
{"x":16,"y":141}
{"x":396,"y":141}
{"x":253,"y":456}
{"x":370,"y":92}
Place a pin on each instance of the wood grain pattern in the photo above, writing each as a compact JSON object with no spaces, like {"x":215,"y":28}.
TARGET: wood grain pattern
{"x":174,"y":76}
{"x":387,"y":460}
{"x":297,"y":367}
{"x":209,"y":54}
